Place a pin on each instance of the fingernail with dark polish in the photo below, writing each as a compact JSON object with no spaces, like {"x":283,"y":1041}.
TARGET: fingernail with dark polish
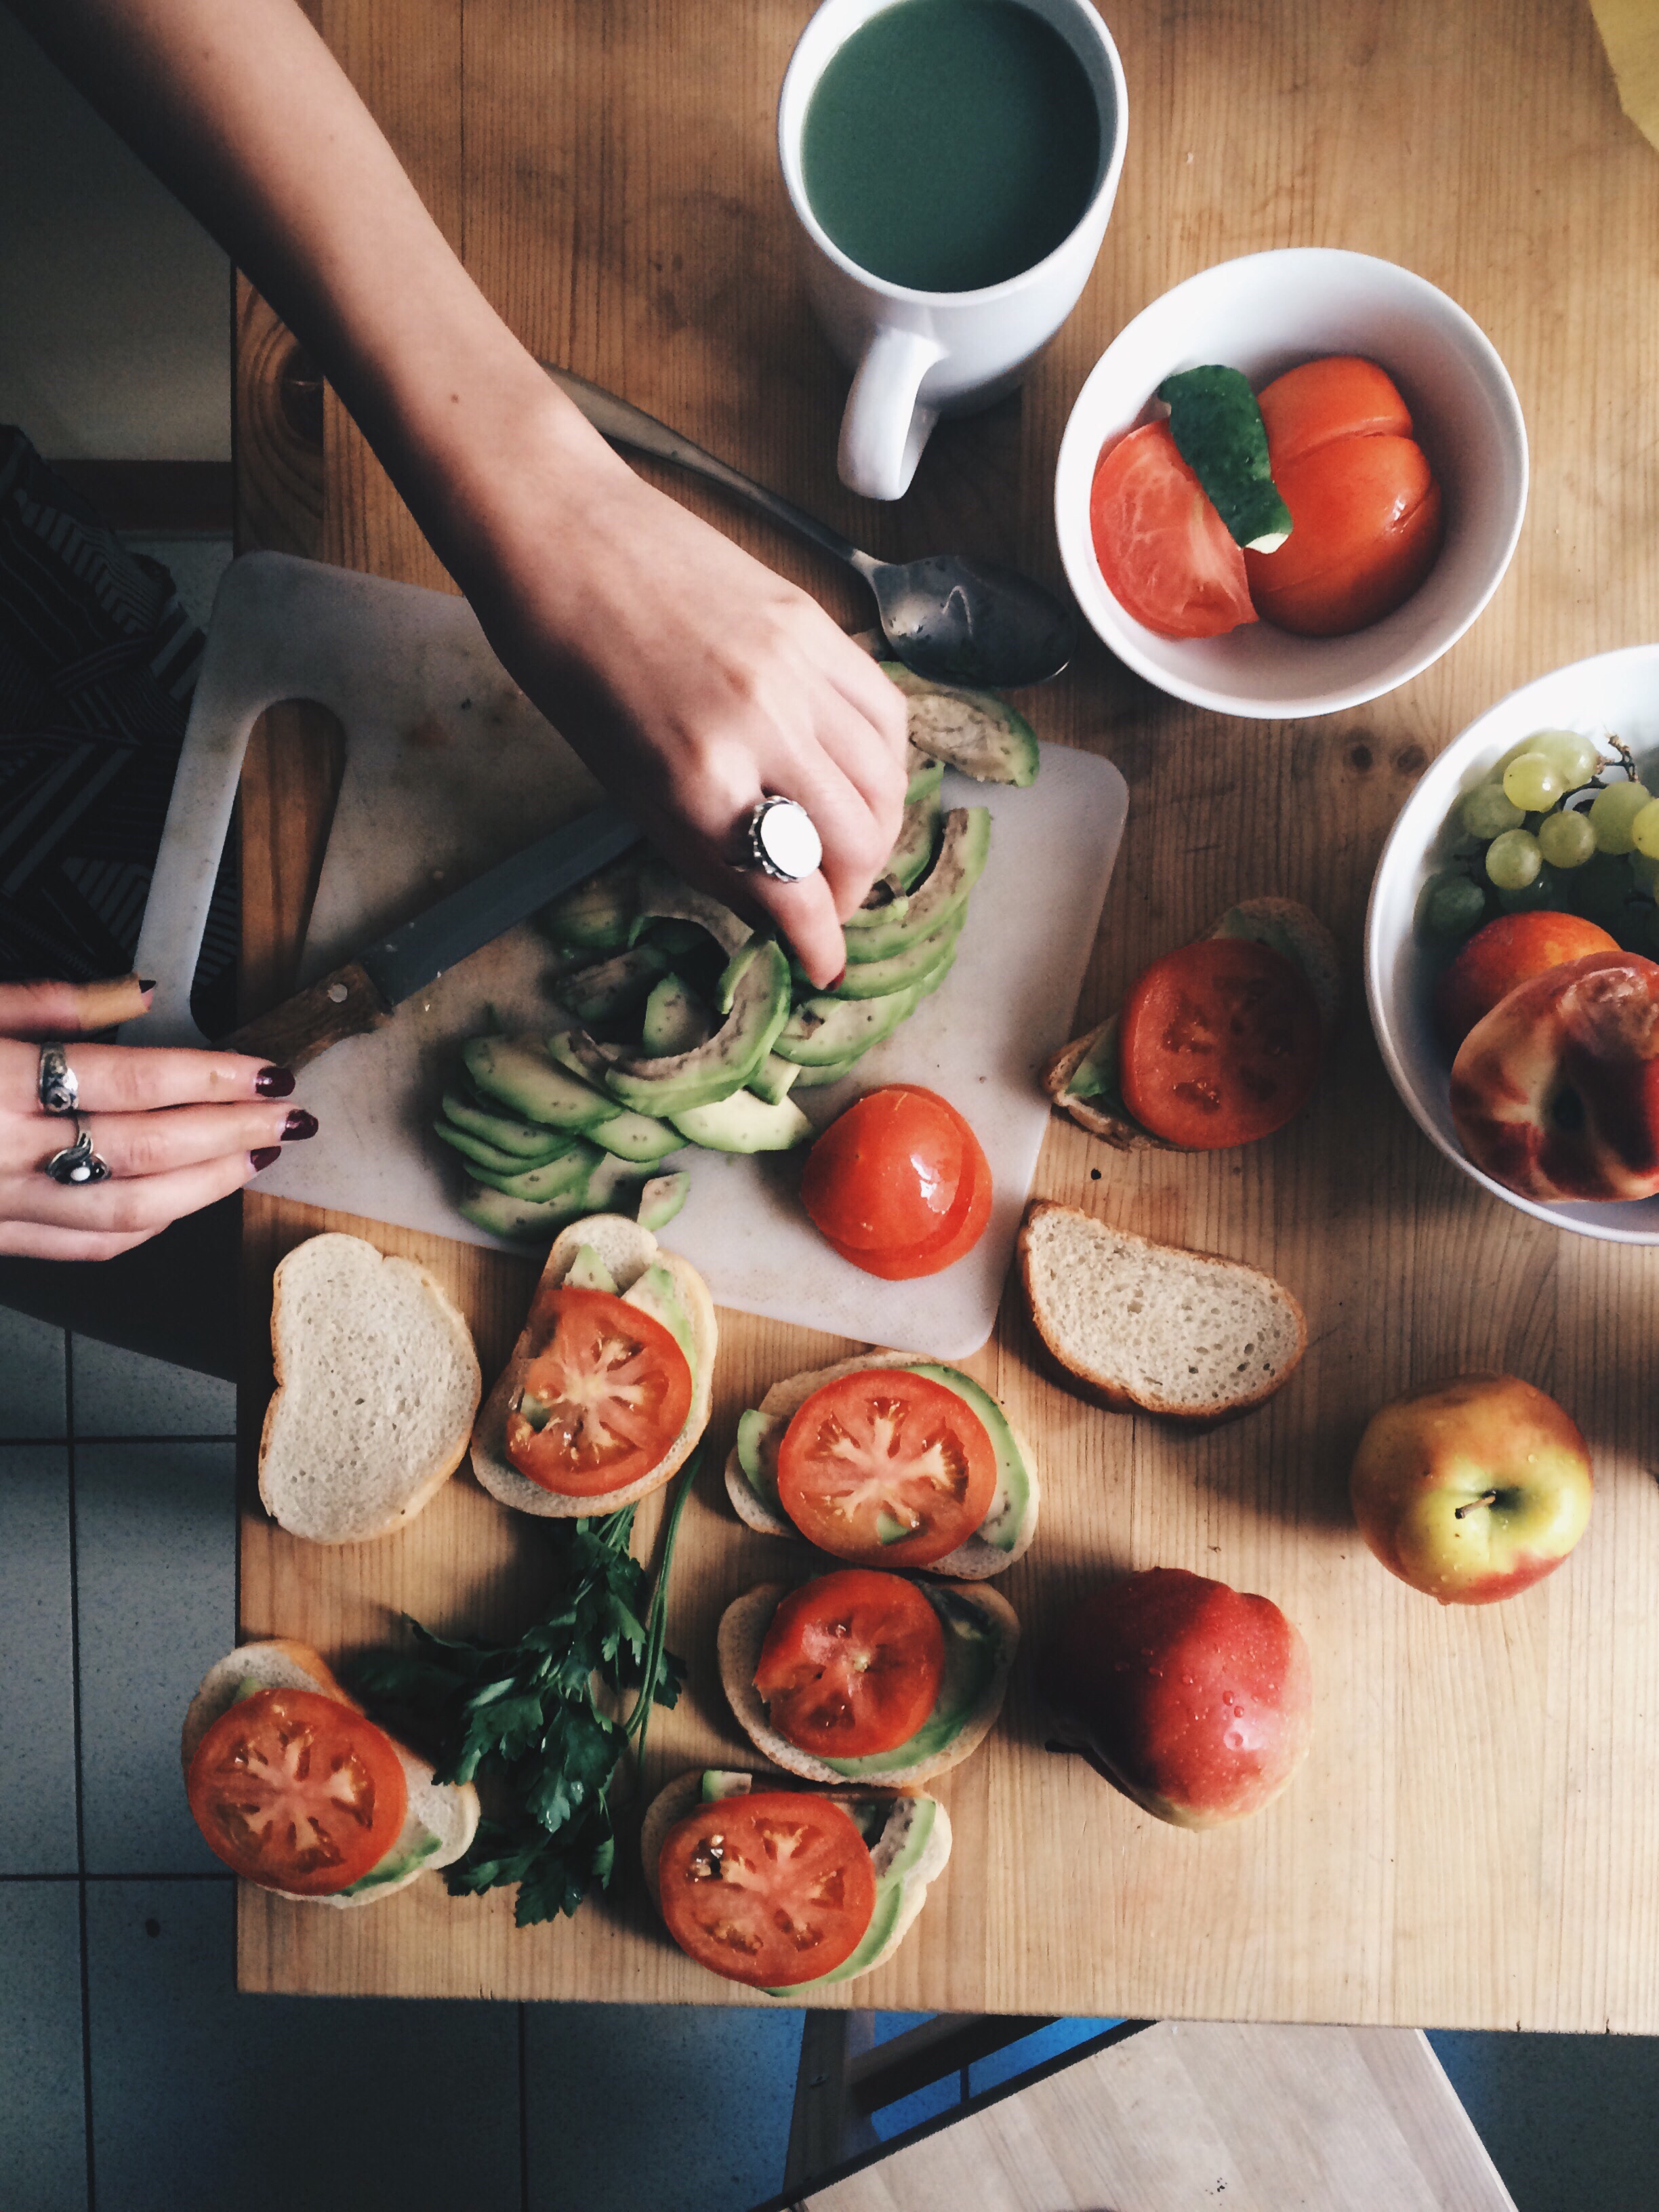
{"x":836,"y":980}
{"x":147,"y":982}
{"x":265,"y":1156}
{"x":274,"y":1082}
{"x":299,"y":1124}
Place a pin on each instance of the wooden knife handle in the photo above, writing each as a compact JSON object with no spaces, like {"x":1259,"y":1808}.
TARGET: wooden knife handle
{"x":344,"y":1004}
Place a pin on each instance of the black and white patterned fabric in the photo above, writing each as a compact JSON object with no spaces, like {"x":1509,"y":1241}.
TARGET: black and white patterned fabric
{"x":97,"y":661}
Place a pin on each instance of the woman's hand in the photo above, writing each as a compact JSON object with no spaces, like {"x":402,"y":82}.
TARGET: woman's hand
{"x":177,"y":1129}
{"x":692,"y":680}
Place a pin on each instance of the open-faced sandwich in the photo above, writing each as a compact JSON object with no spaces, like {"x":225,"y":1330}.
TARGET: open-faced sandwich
{"x":784,"y":1888}
{"x":861,"y":1676}
{"x":888,"y":1461}
{"x":607,"y":1390}
{"x":1217,"y":1043}
{"x":296,"y":1788}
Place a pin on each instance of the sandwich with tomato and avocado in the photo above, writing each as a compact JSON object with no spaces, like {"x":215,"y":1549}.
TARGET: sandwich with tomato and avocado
{"x":787,"y":1889}
{"x":607,"y":1390}
{"x":1217,"y":1043}
{"x":297,"y":1789}
{"x":864,"y":1676}
{"x":887,"y":1461}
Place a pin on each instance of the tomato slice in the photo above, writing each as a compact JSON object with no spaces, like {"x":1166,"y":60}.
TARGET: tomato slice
{"x":886,"y":1173}
{"x":1366,"y":516}
{"x":1341,"y":395}
{"x":1220,"y":1043}
{"x":298,"y":1791}
{"x":1164,"y":552}
{"x":603,"y":1398}
{"x":959,"y":1230}
{"x":770,"y":1889}
{"x":887,"y":1468}
{"x":851,"y":1664}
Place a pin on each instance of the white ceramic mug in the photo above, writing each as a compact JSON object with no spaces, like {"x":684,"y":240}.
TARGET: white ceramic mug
{"x":916,"y":355}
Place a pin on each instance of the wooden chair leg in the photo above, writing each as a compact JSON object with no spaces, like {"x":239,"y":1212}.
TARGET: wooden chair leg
{"x":825,"y":2127}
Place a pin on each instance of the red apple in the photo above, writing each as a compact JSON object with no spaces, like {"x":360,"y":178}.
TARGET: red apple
{"x":1555,"y":1092}
{"x":1505,"y":952}
{"x":1195,"y":1699}
{"x":1473,"y":1489}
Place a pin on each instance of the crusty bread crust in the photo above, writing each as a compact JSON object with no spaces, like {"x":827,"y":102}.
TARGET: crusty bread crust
{"x":742,"y":1631}
{"x":673,"y":1802}
{"x":1111,"y":1391}
{"x":628,"y":1250}
{"x":973,"y":1559}
{"x":1127,"y":1136}
{"x":448,"y":1809}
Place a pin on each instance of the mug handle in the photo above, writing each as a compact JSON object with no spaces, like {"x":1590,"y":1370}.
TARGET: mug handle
{"x":885,"y":426}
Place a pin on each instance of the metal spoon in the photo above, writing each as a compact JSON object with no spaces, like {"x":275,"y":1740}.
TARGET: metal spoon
{"x":951,"y":618}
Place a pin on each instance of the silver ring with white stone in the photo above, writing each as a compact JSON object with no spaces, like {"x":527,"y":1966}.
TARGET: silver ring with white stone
{"x":78,"y":1163}
{"x":55,"y":1086}
{"x":782,"y":840}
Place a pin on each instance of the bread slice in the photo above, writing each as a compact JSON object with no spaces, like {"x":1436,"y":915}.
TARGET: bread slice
{"x":972,"y":1561}
{"x":673,"y":1802}
{"x":377,"y":1384}
{"x":627,"y":1250}
{"x":447,"y":1810}
{"x":742,"y":1633}
{"x":1134,"y":1323}
{"x":1284,"y":924}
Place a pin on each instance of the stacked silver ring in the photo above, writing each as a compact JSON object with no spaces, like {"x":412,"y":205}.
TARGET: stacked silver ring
{"x":59,"y":1093}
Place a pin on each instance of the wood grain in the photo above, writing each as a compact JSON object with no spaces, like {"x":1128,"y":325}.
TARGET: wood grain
{"x":1473,"y":1841}
{"x":1174,"y":2116}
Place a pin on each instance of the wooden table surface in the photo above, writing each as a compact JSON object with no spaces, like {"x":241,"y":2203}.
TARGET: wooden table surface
{"x":1474,"y":1840}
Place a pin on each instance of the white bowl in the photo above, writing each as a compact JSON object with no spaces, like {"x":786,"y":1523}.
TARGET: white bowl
{"x":1610,"y":695}
{"x":1263,"y":314}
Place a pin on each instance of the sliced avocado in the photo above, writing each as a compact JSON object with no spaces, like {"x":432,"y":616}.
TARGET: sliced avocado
{"x":1012,"y":1495}
{"x":516,"y":1218}
{"x":675,"y":1019}
{"x":1096,"y":1075}
{"x":963,"y":850}
{"x":774,"y":1078}
{"x":973,"y":731}
{"x":676,"y":939}
{"x":725,"y":990}
{"x":970,"y":1663}
{"x":519,"y":1071}
{"x":753,"y":1428}
{"x":519,"y":1140}
{"x":582,"y":1055}
{"x":916,"y":965}
{"x":587,"y":1272}
{"x":724,"y":1062}
{"x":925,"y":777}
{"x":490,"y":1157}
{"x":566,"y":1177}
{"x":918,"y":840}
{"x":614,"y":1184}
{"x":403,"y":1858}
{"x":820,"y":1078}
{"x":641,"y":1138}
{"x":896,"y":1857}
{"x":654,"y":1293}
{"x":662,"y":893}
{"x":598,"y":914}
{"x":824,"y":1031}
{"x":610,"y":987}
{"x":720,"y":1783}
{"x":744,"y":1123}
{"x":661,"y":1199}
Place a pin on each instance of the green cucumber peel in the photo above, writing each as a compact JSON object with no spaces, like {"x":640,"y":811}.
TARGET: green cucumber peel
{"x":1218,"y":432}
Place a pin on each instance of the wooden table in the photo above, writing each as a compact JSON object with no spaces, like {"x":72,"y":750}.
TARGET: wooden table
{"x":1475,"y":1839}
{"x":1175,"y":2115}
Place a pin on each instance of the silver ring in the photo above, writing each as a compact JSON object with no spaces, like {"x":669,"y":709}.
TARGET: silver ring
{"x":782,"y":842}
{"x":78,"y":1163}
{"x":55,"y":1086}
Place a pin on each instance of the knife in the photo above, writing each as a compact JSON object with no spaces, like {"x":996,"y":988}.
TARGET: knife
{"x":363,"y":995}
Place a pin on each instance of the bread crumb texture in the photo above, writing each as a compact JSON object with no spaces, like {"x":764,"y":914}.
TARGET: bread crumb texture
{"x":1178,"y":1332}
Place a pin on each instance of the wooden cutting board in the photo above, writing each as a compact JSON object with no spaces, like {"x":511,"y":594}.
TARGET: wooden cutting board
{"x":1474,"y":1840}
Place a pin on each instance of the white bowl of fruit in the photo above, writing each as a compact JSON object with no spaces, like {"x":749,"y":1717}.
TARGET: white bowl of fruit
{"x":1512,"y":948}
{"x":1379,"y":417}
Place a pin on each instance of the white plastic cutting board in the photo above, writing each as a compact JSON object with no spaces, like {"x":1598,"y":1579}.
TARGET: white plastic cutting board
{"x":449,"y":768}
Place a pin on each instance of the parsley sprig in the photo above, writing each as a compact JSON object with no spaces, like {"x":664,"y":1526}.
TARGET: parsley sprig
{"x":531,"y":1717}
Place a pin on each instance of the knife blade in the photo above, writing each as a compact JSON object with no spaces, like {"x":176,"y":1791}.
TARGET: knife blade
{"x":362,"y":994}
